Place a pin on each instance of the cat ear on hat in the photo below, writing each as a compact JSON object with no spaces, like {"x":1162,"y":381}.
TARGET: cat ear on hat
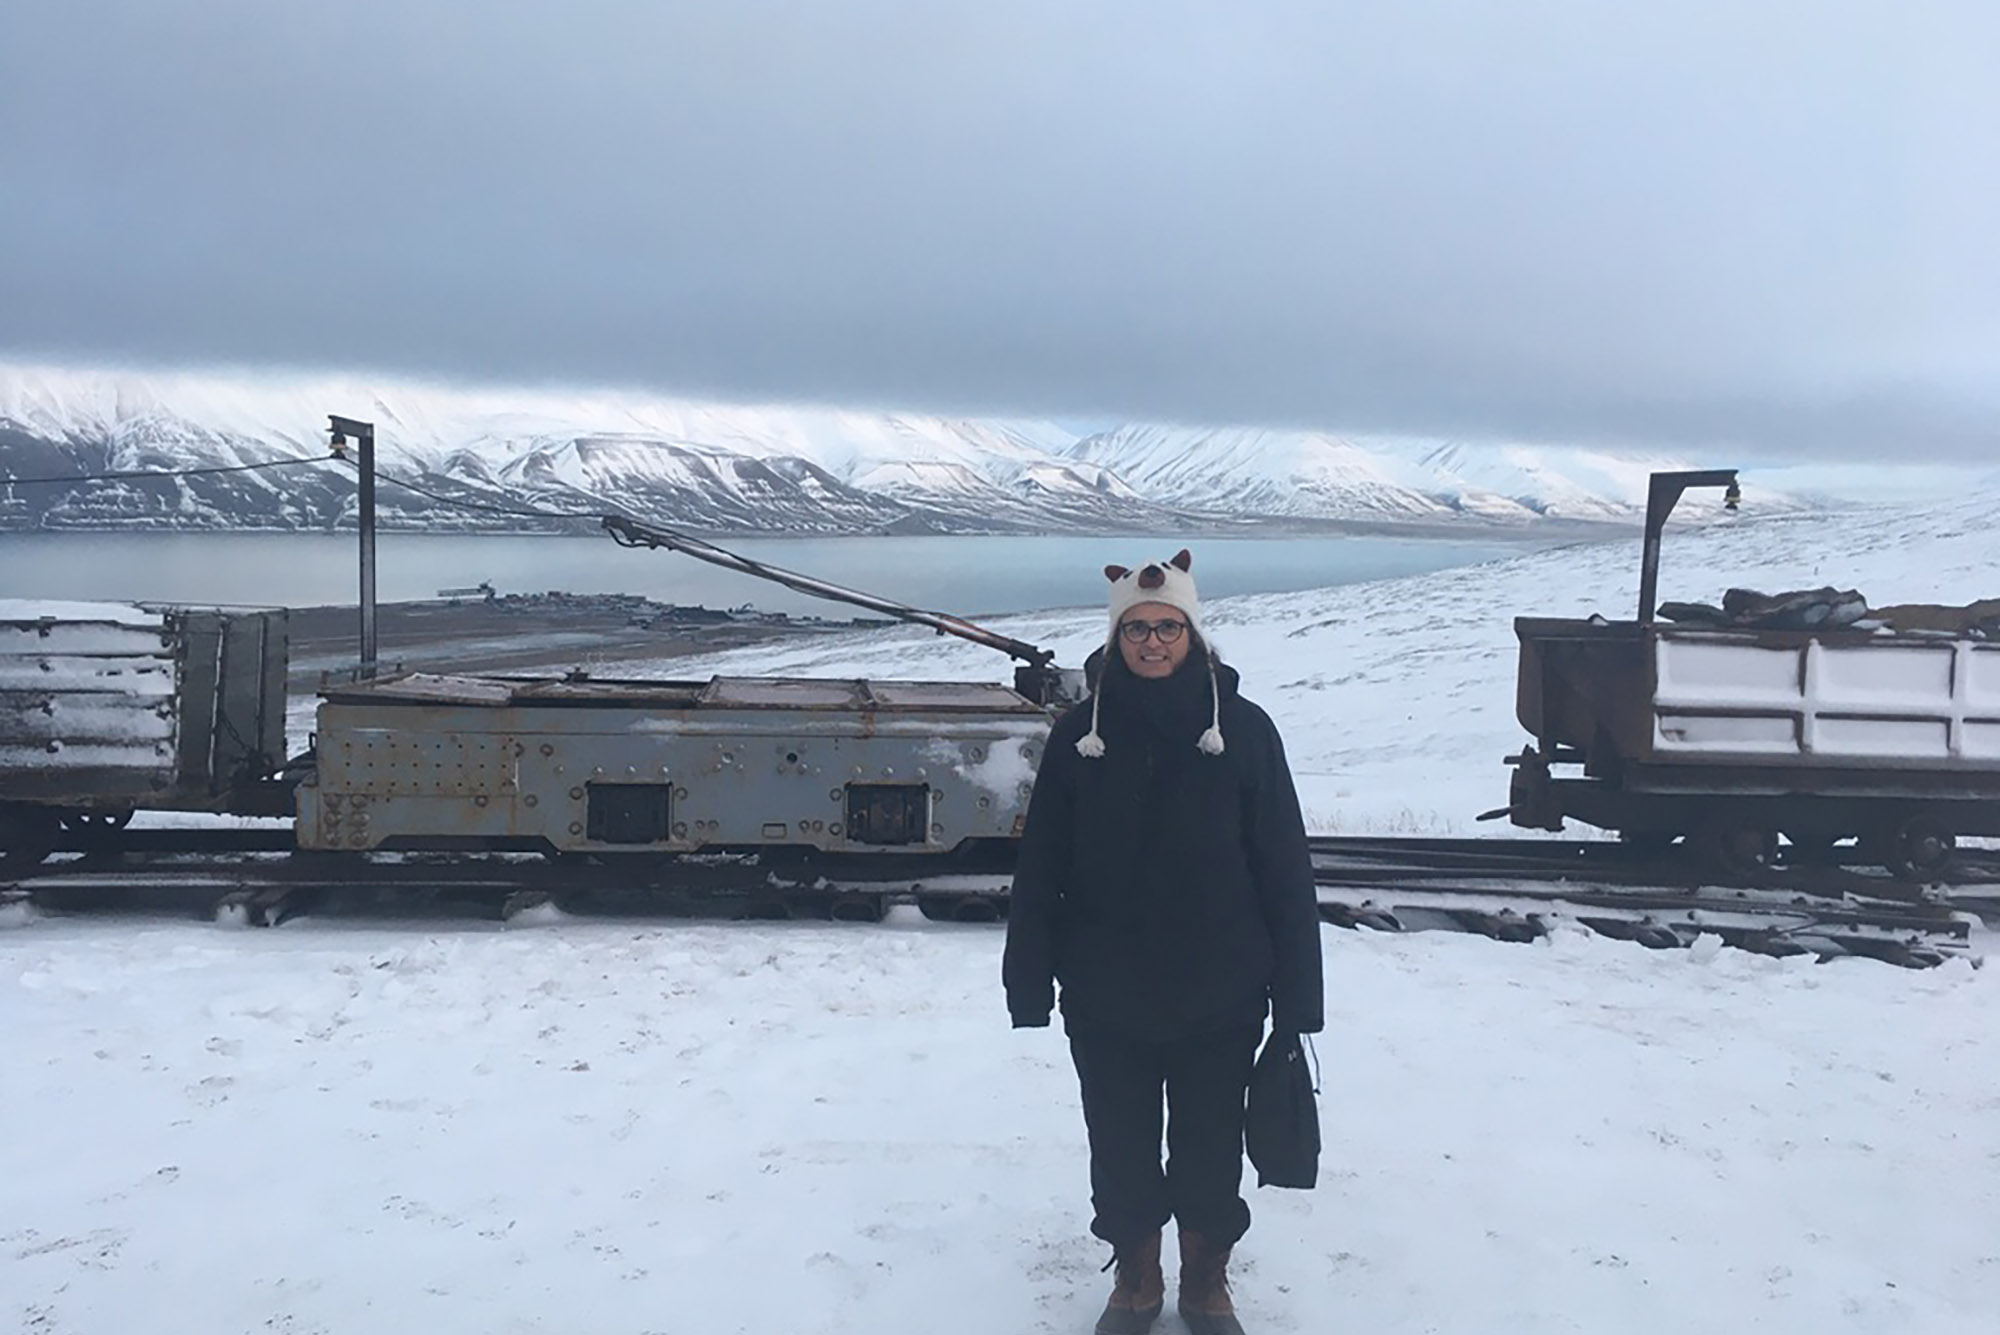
{"x":1115,"y":573}
{"x":1183,"y":559}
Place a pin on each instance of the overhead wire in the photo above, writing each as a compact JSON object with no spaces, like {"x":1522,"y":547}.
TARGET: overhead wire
{"x":459,"y":503}
{"x":126,"y":474}
{"x":336,"y":457}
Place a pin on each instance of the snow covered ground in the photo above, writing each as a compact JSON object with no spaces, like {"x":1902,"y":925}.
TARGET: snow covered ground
{"x":564,"y":1125}
{"x":579,"y":1126}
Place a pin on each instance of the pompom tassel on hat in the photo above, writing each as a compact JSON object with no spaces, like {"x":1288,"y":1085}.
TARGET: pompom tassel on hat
{"x":1172,"y":583}
{"x":1211,"y":740}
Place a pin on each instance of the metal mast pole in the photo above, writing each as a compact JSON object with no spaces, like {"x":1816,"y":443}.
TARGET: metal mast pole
{"x":364,"y":436}
{"x":1662,"y":491}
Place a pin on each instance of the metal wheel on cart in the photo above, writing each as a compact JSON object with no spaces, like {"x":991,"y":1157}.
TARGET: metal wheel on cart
{"x":1738,"y":848}
{"x":1919,"y":850}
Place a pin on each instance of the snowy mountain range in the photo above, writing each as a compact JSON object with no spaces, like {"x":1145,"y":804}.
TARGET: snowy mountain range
{"x":724,"y":468}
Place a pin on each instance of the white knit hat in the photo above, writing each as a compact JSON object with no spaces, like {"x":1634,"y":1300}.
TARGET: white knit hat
{"x":1169,"y":582}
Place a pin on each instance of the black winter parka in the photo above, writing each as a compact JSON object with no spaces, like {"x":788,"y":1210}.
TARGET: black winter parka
{"x":1170,"y":891}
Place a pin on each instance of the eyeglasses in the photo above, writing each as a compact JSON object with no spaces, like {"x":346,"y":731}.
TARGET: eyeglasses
{"x":1137,"y":631}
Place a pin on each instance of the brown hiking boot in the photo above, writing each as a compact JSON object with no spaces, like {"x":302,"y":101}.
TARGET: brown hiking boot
{"x":1204,"y":1295}
{"x":1141,"y":1290}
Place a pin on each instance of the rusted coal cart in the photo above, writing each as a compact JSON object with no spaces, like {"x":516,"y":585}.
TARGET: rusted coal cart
{"x":1731,"y":737}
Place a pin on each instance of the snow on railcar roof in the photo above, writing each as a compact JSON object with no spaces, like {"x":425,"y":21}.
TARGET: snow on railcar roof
{"x":36,"y":610}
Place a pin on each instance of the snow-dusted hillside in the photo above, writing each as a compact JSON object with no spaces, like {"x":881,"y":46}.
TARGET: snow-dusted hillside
{"x":1315,"y":474}
{"x":713,"y":466}
{"x":1568,"y":482}
{"x":1253,"y":471}
{"x":1396,"y":698}
{"x":728,"y":467}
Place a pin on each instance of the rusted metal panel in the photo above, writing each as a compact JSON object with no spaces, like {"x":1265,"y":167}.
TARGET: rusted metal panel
{"x":755,"y":764}
{"x":383,"y":762}
{"x":656,"y":694}
{"x":428,"y":688}
{"x":785,"y":693}
{"x":719,"y":693}
{"x":250,"y":688}
{"x":108,"y":705}
{"x":86,"y":702}
{"x":950,"y":696}
{"x":146,"y":675}
{"x":50,"y":721}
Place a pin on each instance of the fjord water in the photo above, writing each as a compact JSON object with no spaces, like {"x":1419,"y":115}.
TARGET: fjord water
{"x":966,"y":575}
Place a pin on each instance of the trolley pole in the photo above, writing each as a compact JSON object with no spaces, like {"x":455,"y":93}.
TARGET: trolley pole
{"x":1663,"y":490}
{"x":364,"y":438}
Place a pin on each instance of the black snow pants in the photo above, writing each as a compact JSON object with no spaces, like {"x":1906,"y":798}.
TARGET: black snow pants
{"x":1204,"y":1077}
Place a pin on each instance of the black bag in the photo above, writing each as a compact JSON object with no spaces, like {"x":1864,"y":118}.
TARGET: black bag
{"x":1281,"y":1122}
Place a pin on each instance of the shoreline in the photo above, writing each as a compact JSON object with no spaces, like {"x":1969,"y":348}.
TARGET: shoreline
{"x":523,"y":635}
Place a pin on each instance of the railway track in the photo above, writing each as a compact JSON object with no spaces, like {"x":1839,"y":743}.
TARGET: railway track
{"x":1508,"y":889}
{"x":1521,"y":889}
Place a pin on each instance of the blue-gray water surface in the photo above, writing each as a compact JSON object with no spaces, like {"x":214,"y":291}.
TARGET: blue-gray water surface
{"x":966,"y":575}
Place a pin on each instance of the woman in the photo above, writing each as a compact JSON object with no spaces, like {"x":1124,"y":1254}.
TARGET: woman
{"x":1164,"y":880}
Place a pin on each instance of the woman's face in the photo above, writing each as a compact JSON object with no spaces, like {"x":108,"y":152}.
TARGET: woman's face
{"x":1153,"y":656}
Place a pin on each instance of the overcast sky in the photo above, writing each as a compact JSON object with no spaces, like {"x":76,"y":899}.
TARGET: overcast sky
{"x":1768,"y":222}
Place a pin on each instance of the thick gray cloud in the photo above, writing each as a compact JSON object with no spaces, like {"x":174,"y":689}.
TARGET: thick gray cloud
{"x":1668,"y":220}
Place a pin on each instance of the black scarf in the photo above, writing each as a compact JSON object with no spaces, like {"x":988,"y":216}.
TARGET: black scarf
{"x":1176,"y":708}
